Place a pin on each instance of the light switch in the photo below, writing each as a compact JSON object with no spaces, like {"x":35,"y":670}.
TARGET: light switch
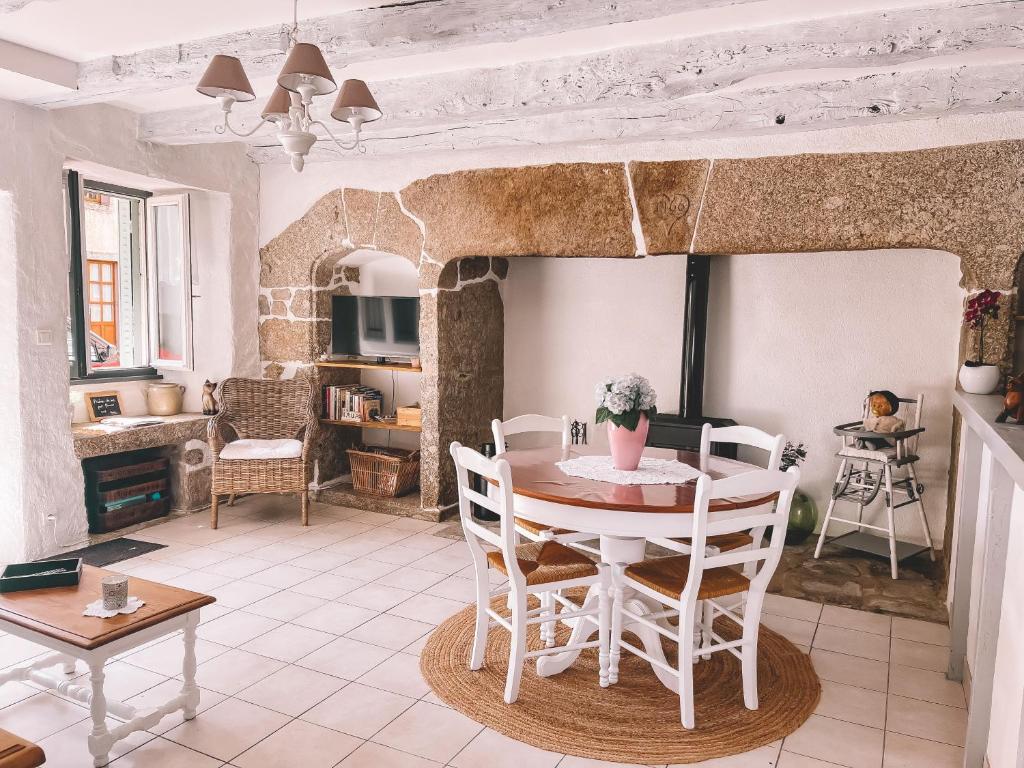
{"x":44,"y":337}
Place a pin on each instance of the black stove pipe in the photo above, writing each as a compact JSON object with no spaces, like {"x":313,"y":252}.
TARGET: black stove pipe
{"x":695,"y":331}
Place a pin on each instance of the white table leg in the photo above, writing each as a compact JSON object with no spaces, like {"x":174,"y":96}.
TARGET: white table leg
{"x":100,"y":739}
{"x":615,"y":549}
{"x":68,"y":665}
{"x":189,"y":689}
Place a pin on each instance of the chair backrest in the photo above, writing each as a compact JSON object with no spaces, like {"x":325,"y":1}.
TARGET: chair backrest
{"x":767,"y":548}
{"x":267,"y":409}
{"x":498,"y":500}
{"x":530,"y":422}
{"x":741,"y":435}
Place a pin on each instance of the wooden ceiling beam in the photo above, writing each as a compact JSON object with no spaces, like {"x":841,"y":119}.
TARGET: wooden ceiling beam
{"x":654,"y":78}
{"x":365,"y":35}
{"x":869,"y":100}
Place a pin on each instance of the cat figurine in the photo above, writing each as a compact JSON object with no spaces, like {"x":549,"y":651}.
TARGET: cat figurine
{"x":209,"y":402}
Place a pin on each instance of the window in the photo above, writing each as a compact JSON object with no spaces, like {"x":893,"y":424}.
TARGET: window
{"x":130,"y":281}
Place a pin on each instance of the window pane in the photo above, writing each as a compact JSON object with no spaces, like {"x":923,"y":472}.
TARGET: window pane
{"x":170,"y":298}
{"x":110,"y":252}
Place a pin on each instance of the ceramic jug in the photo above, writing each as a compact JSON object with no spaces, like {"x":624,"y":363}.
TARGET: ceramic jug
{"x":164,"y":398}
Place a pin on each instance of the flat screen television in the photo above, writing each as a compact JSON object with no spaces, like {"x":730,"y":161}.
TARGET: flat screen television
{"x":375,"y":326}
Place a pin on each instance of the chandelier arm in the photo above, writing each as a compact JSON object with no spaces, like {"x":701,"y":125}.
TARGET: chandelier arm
{"x":221,"y":129}
{"x":354,"y":145}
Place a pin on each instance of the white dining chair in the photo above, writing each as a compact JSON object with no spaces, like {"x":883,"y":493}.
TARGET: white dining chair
{"x":539,"y":568}
{"x":533,"y":422}
{"x":736,"y":435}
{"x":687,"y":583}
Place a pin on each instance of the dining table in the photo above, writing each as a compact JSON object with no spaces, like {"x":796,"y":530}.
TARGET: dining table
{"x":623,"y":517}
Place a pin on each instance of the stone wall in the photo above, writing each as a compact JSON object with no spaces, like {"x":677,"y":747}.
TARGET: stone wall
{"x":458,"y":227}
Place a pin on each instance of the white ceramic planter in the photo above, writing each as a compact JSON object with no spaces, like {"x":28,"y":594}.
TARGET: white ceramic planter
{"x":979,"y":379}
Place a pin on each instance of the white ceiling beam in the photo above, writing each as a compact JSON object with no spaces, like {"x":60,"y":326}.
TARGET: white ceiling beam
{"x":366,"y":35}
{"x":38,"y":65}
{"x":640,"y":77}
{"x":872,"y":99}
{"x":10,"y":6}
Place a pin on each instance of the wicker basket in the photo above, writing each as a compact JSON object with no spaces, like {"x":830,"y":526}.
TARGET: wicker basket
{"x":384,"y":471}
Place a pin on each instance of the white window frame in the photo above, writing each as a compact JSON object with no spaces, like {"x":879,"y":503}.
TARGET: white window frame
{"x":152,"y":299}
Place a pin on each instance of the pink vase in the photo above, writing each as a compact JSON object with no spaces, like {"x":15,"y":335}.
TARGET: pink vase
{"x":627,"y":445}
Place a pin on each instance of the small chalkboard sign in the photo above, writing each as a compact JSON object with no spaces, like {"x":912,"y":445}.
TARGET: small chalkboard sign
{"x":103,"y":404}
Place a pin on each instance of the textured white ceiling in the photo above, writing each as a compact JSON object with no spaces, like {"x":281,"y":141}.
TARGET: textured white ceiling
{"x":84,"y":29}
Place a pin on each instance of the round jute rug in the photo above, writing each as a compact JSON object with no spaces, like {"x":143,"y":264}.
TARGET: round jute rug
{"x":634,"y":721}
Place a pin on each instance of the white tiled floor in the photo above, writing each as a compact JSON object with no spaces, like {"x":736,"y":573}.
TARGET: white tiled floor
{"x":310,"y":658}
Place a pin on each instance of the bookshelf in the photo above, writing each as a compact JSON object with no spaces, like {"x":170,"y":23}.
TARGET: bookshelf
{"x":408,"y":367}
{"x":372,"y":425}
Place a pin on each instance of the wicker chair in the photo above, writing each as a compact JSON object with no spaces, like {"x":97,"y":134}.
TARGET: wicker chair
{"x":261,"y":439}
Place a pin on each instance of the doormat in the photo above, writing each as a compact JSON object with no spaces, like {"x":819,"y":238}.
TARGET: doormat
{"x":109,"y":552}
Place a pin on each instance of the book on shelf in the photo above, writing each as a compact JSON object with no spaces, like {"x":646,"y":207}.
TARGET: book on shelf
{"x":351,"y":402}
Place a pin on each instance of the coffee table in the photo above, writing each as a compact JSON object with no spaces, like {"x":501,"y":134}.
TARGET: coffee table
{"x":53,"y":618}
{"x":15,"y":752}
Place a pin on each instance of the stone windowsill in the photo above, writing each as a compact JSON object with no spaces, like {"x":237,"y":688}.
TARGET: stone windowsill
{"x":174,"y":430}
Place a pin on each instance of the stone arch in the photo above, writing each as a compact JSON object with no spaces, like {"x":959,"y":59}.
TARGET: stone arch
{"x":458,"y":228}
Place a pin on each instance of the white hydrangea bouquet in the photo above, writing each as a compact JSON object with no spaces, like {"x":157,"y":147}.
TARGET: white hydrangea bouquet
{"x":624,"y":399}
{"x":627,"y":404}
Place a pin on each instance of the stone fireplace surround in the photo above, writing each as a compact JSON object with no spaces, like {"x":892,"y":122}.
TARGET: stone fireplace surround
{"x":458,"y":228}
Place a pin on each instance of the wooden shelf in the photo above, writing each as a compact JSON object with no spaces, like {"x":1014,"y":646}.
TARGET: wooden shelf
{"x":359,"y":364}
{"x":373,"y":425}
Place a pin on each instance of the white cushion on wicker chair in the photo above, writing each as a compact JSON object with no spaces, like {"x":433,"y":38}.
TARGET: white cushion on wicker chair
{"x":262,"y":449}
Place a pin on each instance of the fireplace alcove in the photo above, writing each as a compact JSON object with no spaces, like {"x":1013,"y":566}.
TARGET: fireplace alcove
{"x":459,"y":228}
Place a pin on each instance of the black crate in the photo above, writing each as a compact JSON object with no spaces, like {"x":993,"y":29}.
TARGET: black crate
{"x":19,"y":576}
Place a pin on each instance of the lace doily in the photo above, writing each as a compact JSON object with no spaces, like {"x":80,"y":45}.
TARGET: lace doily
{"x":650,"y":471}
{"x":96,"y":608}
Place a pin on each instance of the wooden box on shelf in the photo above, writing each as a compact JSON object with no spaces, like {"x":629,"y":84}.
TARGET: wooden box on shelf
{"x":408,"y":416}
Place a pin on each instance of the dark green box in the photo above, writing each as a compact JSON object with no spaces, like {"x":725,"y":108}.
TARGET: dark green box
{"x":19,"y":576}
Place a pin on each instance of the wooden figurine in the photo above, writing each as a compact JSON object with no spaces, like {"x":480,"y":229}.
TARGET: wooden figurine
{"x":209,"y":402}
{"x":1013,"y":403}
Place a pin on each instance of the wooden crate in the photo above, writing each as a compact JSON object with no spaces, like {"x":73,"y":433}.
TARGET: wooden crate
{"x":112,"y":479}
{"x":408,"y":416}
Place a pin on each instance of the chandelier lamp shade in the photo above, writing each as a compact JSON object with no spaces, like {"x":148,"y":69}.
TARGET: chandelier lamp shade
{"x":305,"y":75}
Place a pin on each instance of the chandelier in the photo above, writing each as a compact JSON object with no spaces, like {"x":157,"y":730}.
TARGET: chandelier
{"x":305,"y":75}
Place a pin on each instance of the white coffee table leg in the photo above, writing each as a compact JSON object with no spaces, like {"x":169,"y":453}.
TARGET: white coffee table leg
{"x":100,"y":740}
{"x":189,"y":689}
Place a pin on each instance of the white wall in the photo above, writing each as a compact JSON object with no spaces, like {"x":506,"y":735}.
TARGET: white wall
{"x":43,"y":477}
{"x":797,"y":340}
{"x":571,"y":322}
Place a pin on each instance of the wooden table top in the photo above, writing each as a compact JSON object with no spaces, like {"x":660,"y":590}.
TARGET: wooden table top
{"x":535,"y":475}
{"x":57,"y":612}
{"x":15,"y":752}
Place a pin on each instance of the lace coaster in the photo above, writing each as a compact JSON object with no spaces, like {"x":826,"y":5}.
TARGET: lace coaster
{"x":97,"y":609}
{"x":650,"y":471}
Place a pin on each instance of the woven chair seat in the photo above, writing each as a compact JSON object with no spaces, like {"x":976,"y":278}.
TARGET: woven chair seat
{"x":542,"y":562}
{"x":537,"y":528}
{"x":725,"y":542}
{"x":668,"y":576}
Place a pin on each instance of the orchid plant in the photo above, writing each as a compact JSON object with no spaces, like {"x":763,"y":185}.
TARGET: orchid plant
{"x":980,"y":307}
{"x":621,"y":400}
